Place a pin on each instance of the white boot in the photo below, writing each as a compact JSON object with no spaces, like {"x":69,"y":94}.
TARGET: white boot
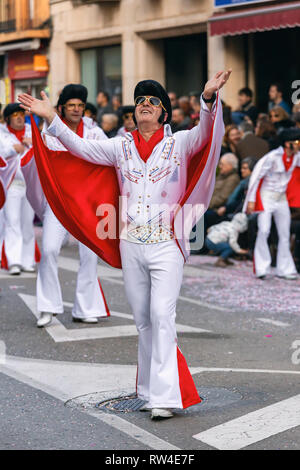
{"x":44,"y":320}
{"x":14,"y":270}
{"x":161,"y":413}
{"x":85,"y":320}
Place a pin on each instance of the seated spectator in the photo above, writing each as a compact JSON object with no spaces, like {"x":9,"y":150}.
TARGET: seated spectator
{"x":231,"y":138}
{"x":280,"y":119}
{"x":90,"y":111}
{"x":109,"y":124}
{"x":222,"y":239}
{"x":236,"y":199}
{"x":276,"y":98}
{"x":180,"y":122}
{"x":246,"y":107}
{"x":173,"y":98}
{"x":266,"y":130}
{"x":250,"y":144}
{"x":226,"y":181}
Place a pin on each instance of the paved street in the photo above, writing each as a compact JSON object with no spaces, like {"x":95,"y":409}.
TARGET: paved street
{"x":240,"y":336}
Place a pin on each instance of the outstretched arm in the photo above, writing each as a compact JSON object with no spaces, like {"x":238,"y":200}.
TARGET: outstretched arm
{"x":96,"y":151}
{"x":198,"y":137}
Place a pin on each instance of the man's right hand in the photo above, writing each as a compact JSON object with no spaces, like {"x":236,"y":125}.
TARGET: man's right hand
{"x":250,"y":207}
{"x":42,"y":108}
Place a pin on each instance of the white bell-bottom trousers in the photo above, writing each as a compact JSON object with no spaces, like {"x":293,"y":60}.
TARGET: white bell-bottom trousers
{"x":153,"y":276}
{"x":89,"y":299}
{"x":19,"y":230}
{"x":262,"y":259}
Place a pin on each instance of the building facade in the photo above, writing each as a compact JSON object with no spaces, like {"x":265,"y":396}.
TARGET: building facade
{"x":112,"y":44}
{"x":24,"y":40}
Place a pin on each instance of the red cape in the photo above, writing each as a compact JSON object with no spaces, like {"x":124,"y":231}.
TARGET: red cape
{"x":74,"y":190}
{"x":293,"y":189}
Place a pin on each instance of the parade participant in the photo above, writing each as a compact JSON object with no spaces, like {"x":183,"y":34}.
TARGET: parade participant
{"x":19,"y":239}
{"x":8,"y":169}
{"x":267,"y":195}
{"x":128,"y":122}
{"x":153,"y":167}
{"x":89,"y":301}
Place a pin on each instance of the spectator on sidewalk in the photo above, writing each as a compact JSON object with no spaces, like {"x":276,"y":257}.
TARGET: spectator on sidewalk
{"x":222,"y":239}
{"x":231,"y":139}
{"x":280,"y":119}
{"x":276,"y":98}
{"x":250,"y":144}
{"x":246,"y":107}
{"x":180,"y":122}
{"x":173,"y":98}
{"x":104,"y":106}
{"x":109,"y":124}
{"x":226,"y":182}
{"x":236,"y":199}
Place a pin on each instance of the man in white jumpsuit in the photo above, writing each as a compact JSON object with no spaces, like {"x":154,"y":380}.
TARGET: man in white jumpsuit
{"x":151,"y":166}
{"x":89,"y":300}
{"x":19,"y":239}
{"x":268,"y":184}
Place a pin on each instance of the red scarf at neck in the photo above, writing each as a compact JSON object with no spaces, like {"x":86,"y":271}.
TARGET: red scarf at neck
{"x":287,"y":161}
{"x":19,"y":134}
{"x":79,"y":130}
{"x":146,"y":148}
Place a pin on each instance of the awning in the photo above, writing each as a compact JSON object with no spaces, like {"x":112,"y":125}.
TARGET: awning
{"x":252,"y":20}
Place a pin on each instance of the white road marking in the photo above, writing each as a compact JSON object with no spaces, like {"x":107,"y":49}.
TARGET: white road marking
{"x":59,"y":333}
{"x":274,"y":322}
{"x":198,"y":370}
{"x":66,"y":380}
{"x":254,"y":427}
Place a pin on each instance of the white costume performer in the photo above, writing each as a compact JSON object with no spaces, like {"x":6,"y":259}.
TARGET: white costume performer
{"x":89,"y":300}
{"x":270,"y":178}
{"x":152,"y":261}
{"x":18,"y":215}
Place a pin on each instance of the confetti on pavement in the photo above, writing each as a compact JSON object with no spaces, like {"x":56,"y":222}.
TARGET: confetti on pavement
{"x":236,"y":288}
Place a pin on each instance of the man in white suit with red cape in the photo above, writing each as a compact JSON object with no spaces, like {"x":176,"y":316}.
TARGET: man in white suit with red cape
{"x":156,"y":174}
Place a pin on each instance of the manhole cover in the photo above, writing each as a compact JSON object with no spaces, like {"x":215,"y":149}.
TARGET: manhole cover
{"x":211,"y":398}
{"x":123,"y":404}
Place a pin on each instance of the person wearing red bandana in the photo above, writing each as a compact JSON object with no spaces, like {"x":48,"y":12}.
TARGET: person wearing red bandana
{"x":267,"y":195}
{"x":156,"y":173}
{"x":19,"y":239}
{"x":89,"y":302}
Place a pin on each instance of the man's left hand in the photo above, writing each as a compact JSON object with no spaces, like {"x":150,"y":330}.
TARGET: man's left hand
{"x":216,"y":83}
